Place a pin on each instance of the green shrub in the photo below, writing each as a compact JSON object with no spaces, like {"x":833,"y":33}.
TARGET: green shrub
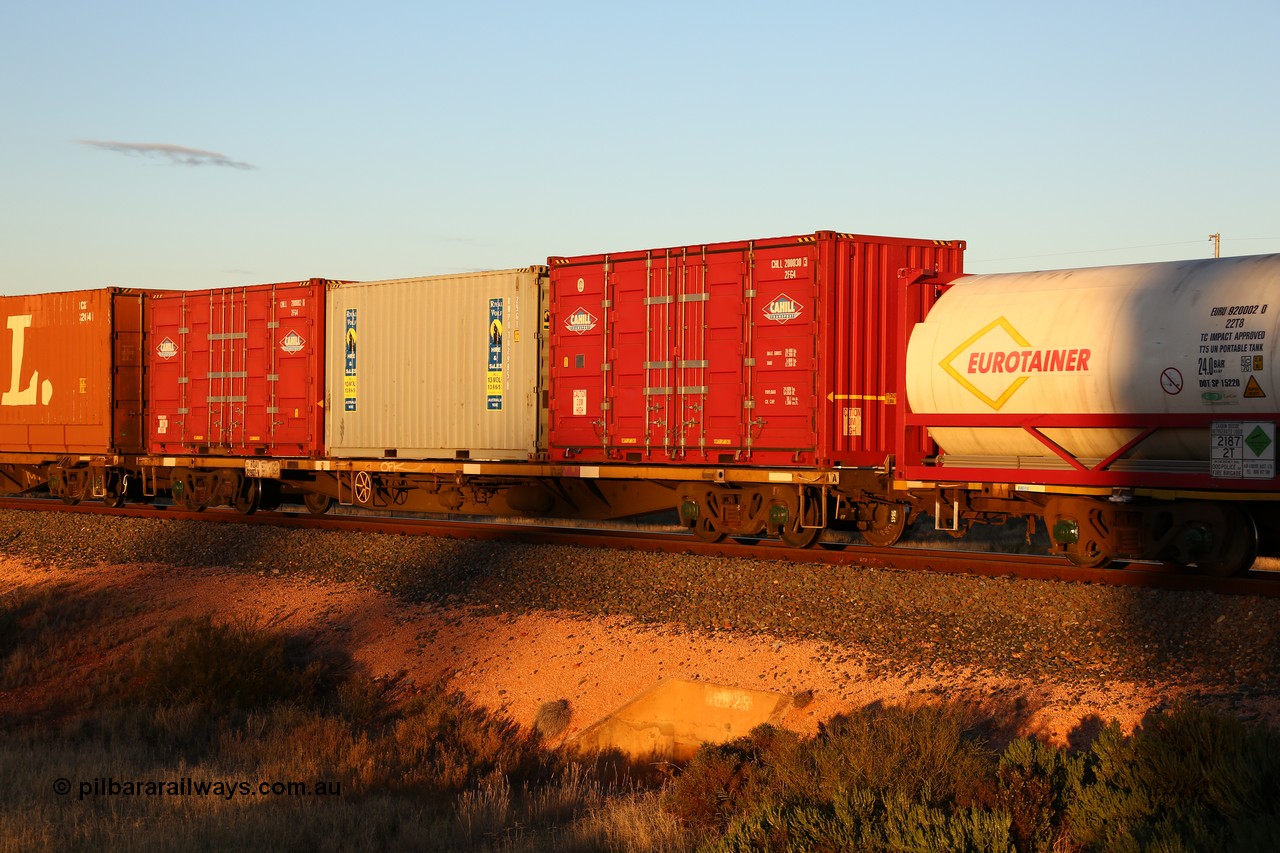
{"x":1187,"y":779}
{"x":914,"y":779}
{"x":888,"y":778}
{"x":1037,"y":783}
{"x":866,"y":821}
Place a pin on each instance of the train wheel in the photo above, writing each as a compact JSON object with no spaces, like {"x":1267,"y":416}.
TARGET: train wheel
{"x":793,"y":531}
{"x":703,"y":529}
{"x":1087,"y":557}
{"x":317,"y":504}
{"x":1236,"y":548}
{"x":246,"y":502}
{"x":70,"y":500}
{"x":1083,"y":530}
{"x":188,"y":501}
{"x":113,"y":496}
{"x":796,"y":536}
{"x":887,"y":524}
{"x":798,"y":529}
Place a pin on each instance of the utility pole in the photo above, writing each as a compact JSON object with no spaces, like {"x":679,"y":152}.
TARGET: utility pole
{"x":1216,"y":239}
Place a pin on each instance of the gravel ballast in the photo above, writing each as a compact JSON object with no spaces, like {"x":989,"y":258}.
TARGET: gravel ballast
{"x":1222,"y":648}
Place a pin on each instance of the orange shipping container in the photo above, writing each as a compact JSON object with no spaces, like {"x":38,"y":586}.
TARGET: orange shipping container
{"x":71,"y":372}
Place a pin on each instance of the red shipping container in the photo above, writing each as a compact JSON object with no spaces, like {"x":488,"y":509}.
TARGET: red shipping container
{"x":776,"y":352}
{"x":238,"y":371}
{"x":72,"y":372}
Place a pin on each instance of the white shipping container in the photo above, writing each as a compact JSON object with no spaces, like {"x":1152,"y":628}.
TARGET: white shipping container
{"x":443,"y":367}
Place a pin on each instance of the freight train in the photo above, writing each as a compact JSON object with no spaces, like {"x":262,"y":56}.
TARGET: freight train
{"x":773,"y":387}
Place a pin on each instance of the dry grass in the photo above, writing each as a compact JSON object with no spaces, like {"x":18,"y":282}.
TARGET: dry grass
{"x":230,"y":705}
{"x":132,"y":723}
{"x":552,"y":719}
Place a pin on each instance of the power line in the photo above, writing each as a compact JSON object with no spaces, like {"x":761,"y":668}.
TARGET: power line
{"x":1118,"y":249}
{"x":1090,"y":251}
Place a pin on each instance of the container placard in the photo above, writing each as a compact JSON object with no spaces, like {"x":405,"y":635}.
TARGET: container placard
{"x":493,"y":378}
{"x":349,"y":374}
{"x":1242,"y":450}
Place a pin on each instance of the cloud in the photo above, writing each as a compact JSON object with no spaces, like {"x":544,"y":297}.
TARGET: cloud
{"x":174,"y":154}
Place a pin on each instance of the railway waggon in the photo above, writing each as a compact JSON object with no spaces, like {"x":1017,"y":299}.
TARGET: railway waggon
{"x":773,"y":387}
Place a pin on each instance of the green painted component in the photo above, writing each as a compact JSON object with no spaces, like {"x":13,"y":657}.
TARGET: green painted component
{"x":689,"y":512}
{"x":1197,"y":540}
{"x":1066,"y":531}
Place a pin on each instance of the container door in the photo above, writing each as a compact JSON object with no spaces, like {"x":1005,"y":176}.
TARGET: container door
{"x":782,"y":373}
{"x":291,"y":366}
{"x":168,"y":384}
{"x":642,"y":377}
{"x":713,"y":416}
{"x":577,"y":358}
{"x":127,"y":372}
{"x":226,"y":368}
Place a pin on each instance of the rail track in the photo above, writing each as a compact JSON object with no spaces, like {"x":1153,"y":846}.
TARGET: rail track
{"x":829,"y":551}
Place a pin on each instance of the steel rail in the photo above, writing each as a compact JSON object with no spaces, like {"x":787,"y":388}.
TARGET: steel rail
{"x":902,"y":558}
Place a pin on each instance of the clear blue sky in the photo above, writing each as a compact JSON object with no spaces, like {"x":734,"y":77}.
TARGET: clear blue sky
{"x":181,"y":144}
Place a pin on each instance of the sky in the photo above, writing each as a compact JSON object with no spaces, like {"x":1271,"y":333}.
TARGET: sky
{"x":197,"y":145}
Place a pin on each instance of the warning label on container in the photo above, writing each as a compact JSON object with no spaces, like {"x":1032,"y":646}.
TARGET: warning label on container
{"x":166,"y":349}
{"x":1242,"y":450}
{"x":349,"y":372}
{"x":852,"y":421}
{"x":1232,"y":334}
{"x":493,"y":377}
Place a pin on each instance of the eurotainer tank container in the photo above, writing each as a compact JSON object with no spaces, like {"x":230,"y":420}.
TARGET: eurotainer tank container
{"x":238,"y":371}
{"x":781,"y":351}
{"x":1172,"y":347}
{"x":71,"y":366}
{"x":442,"y":367}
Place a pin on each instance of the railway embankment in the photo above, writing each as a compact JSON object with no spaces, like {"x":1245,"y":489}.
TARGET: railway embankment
{"x":517,"y":625}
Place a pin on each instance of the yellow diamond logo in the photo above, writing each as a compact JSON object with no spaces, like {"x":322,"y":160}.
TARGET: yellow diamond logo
{"x":1002,"y":336}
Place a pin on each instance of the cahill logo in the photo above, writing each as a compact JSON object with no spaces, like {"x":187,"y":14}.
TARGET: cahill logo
{"x":993,"y":363}
{"x":580,"y":321}
{"x":292,"y":342}
{"x":782,"y":309}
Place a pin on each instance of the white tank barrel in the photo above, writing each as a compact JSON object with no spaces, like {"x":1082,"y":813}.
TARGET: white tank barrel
{"x":1187,"y":337}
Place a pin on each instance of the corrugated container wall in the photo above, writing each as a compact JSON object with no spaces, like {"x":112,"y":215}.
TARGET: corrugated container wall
{"x":72,"y":372}
{"x":782,"y":351}
{"x":238,"y":371}
{"x":445,"y":367}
